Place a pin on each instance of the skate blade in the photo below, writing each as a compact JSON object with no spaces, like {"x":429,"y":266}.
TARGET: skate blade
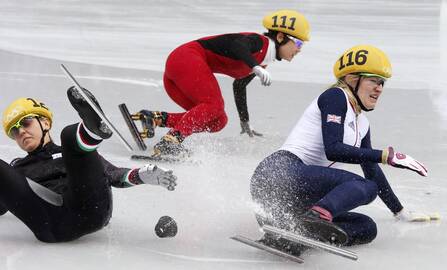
{"x":323,"y":231}
{"x":266,"y":248}
{"x":312,"y":243}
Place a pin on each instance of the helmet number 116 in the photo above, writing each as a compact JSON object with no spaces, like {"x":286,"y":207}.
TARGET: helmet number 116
{"x":360,"y":59}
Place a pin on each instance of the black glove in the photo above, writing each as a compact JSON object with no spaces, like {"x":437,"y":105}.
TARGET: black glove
{"x":245,"y":126}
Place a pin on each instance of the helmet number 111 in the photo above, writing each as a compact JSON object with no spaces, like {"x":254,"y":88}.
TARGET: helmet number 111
{"x":283,"y":22}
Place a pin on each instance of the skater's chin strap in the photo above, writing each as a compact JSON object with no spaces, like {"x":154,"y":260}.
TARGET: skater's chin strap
{"x":355,"y":91}
{"x":42,"y":140}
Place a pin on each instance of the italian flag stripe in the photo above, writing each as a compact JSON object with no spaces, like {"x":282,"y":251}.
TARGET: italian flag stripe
{"x":82,"y":143}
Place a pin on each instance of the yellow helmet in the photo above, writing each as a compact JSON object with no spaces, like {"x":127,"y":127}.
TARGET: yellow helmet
{"x":363,"y":59}
{"x":21,"y":108}
{"x":289,"y":22}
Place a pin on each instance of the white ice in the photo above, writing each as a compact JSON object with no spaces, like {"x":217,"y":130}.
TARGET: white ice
{"x":118,"y":48}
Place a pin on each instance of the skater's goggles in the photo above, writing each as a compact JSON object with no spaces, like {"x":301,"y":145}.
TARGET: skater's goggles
{"x":24,"y":122}
{"x":379,"y":80}
{"x":298,"y":42}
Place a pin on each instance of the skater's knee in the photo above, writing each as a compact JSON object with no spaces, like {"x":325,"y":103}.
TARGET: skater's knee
{"x":360,"y":228}
{"x":371,"y":190}
{"x":366,"y":189}
{"x":366,"y":232}
{"x":68,"y":134}
{"x":215,"y":104}
{"x":372,"y":231}
{"x":219,"y":123}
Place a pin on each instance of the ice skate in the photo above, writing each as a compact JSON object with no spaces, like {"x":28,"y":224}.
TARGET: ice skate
{"x":89,"y":117}
{"x":170,"y":145}
{"x":312,"y":225}
{"x":281,"y":244}
{"x":150,"y":120}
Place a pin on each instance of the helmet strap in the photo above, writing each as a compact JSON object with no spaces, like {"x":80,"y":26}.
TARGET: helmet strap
{"x":355,"y":91}
{"x":42,"y":140}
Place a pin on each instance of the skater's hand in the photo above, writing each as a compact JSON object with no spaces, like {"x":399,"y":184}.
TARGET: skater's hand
{"x":410,"y":216}
{"x":400,"y":160}
{"x":245,"y":126}
{"x":263,"y":75}
{"x":154,"y":175}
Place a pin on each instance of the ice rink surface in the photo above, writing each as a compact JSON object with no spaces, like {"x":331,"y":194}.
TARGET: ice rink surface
{"x":117,"y":49}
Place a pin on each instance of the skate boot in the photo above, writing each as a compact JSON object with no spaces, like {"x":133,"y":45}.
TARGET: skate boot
{"x":282,"y":244}
{"x":170,"y":145}
{"x":317,"y":223}
{"x":150,"y":120}
{"x":89,"y":117}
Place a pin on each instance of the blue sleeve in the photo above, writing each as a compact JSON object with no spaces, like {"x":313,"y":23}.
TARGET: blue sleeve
{"x":373,"y":172}
{"x":333,"y":102}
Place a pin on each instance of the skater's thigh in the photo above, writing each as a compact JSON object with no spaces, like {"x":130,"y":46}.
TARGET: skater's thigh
{"x":38,"y":212}
{"x":88,"y":194}
{"x":352,"y":218}
{"x":177,"y":95}
{"x":87,"y":181}
{"x":314,"y":182}
{"x":274,"y":182}
{"x":194,"y":78}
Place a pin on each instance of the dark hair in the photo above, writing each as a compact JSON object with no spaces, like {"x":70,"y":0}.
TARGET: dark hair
{"x":271,"y":34}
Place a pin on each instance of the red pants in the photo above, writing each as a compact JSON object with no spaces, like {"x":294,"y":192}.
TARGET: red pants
{"x":189,"y":82}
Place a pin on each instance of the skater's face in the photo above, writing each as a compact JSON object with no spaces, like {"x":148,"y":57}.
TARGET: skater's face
{"x":291,"y":48}
{"x":28,"y":133}
{"x":370,"y":89}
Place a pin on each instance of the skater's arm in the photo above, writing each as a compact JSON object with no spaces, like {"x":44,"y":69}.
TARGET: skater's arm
{"x":373,"y":172}
{"x":148,"y":174}
{"x":117,"y":176}
{"x":152,"y":175}
{"x":244,"y":45}
{"x":240,"y":96}
{"x":333,"y":107}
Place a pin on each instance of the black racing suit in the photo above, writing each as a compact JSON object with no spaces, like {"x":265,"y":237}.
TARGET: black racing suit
{"x":82,"y":180}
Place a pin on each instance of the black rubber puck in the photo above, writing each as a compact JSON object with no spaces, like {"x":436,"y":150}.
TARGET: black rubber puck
{"x":166,"y":227}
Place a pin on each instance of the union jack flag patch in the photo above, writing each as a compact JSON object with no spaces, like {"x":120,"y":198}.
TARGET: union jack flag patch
{"x":333,"y":118}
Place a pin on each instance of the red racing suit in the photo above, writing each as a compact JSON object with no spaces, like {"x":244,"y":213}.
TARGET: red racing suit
{"x":189,"y":78}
